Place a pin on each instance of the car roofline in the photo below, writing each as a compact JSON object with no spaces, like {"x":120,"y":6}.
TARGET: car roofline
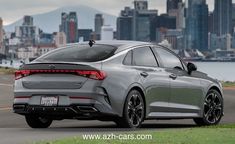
{"x":121,"y":45}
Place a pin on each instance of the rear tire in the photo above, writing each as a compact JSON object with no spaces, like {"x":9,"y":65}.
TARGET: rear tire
{"x":213,"y":109}
{"x":134,"y":111}
{"x":38,"y":122}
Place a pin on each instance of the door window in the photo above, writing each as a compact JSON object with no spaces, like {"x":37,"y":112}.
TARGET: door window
{"x":144,"y":57}
{"x":168,"y":59}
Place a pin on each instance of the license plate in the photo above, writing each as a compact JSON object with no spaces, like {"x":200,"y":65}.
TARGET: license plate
{"x":49,"y":101}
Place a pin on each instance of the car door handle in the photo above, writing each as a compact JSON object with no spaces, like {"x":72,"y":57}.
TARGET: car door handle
{"x":144,"y":74}
{"x":173,"y":76}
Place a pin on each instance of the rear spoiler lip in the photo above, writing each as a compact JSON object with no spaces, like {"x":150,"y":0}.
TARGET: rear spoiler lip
{"x":47,"y":65}
{"x":61,"y":62}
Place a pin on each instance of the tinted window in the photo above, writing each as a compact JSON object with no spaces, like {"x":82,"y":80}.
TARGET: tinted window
{"x":144,"y":57}
{"x":80,"y":53}
{"x":128,"y":59}
{"x":169,"y":60}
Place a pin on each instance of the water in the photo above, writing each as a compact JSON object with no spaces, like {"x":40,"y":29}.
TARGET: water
{"x":224,"y":71}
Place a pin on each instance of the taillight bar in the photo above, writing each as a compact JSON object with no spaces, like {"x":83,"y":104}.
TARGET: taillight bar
{"x":92,"y":74}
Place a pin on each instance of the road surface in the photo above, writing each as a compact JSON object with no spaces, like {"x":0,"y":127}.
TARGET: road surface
{"x":14,"y":130}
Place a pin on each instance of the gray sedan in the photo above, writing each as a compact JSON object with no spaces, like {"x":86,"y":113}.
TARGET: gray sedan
{"x":122,"y":81}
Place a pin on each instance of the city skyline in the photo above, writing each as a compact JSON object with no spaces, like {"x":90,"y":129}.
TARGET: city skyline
{"x":183,"y":28}
{"x":11,"y":11}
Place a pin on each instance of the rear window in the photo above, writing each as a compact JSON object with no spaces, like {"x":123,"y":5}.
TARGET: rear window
{"x":80,"y":53}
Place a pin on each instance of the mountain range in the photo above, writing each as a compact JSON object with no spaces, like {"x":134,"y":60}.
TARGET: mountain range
{"x":49,"y":22}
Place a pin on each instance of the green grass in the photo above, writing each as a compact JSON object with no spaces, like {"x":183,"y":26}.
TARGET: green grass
{"x":228,"y":84}
{"x":223,"y":134}
{"x":6,"y":70}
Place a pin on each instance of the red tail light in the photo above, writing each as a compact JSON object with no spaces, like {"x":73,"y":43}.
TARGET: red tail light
{"x":97,"y":75}
{"x":92,"y":74}
{"x":21,"y":73}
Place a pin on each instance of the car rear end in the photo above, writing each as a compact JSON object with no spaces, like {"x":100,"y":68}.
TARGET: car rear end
{"x":64,"y":84}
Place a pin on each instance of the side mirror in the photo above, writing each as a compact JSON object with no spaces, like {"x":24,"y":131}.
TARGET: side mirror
{"x":191,"y":67}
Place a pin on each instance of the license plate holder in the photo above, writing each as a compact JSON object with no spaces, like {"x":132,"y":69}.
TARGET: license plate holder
{"x":49,"y":101}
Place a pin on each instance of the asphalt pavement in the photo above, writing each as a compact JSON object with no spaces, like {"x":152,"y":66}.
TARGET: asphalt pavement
{"x":14,"y":130}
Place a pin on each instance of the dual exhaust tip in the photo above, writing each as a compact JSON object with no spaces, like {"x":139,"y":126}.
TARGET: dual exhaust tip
{"x":87,"y":109}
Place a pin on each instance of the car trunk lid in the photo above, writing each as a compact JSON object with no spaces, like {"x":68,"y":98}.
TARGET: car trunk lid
{"x":58,"y":75}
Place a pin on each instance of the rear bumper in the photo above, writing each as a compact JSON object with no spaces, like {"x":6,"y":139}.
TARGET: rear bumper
{"x":88,"y":105}
{"x":61,"y":112}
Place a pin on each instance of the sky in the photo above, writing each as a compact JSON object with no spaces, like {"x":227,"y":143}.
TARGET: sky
{"x":12,"y":10}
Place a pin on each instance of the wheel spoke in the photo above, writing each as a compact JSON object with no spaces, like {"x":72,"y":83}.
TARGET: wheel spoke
{"x":139,"y":107}
{"x":135,"y":110}
{"x":218,"y":107}
{"x":208,"y":114}
{"x":207,"y":102}
{"x":135,"y":97}
{"x":216,"y":116}
{"x":131,"y":117}
{"x":130,"y":106}
{"x":137,"y":118}
{"x":214,"y":97}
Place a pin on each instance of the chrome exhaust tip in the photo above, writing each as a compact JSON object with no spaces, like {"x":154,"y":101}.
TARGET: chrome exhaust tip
{"x":87,"y":109}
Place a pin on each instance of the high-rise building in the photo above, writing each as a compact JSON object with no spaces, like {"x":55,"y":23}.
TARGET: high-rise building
{"x":27,"y":32}
{"x":106,"y":32}
{"x":196,"y":25}
{"x":211,"y":22}
{"x":142,"y":24}
{"x":28,"y":20}
{"x":172,"y":37}
{"x":180,"y":18}
{"x":99,"y":22}
{"x":172,"y":5}
{"x":223,"y":17}
{"x":69,"y":25}
{"x":60,"y":39}
{"x":46,"y":38}
{"x":125,"y":24}
{"x":84,"y":34}
{"x":1,"y":36}
{"x":233,"y":41}
{"x":223,"y":42}
{"x":161,"y":24}
{"x":73,"y":26}
{"x":141,"y":4}
{"x":233,"y":17}
{"x":142,"y":20}
{"x":166,"y":21}
{"x":64,"y":23}
{"x":138,"y":23}
{"x":1,"y":29}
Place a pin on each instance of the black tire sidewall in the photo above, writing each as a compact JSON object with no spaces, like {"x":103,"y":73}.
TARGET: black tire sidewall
{"x":35,"y":122}
{"x":221,"y":99}
{"x":125,"y":111}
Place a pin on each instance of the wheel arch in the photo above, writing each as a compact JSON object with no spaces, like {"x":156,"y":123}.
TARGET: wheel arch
{"x":217,"y":89}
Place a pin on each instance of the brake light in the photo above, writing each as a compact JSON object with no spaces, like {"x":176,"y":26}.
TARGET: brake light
{"x":21,"y":73}
{"x":97,"y":75}
{"x":92,"y":74}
